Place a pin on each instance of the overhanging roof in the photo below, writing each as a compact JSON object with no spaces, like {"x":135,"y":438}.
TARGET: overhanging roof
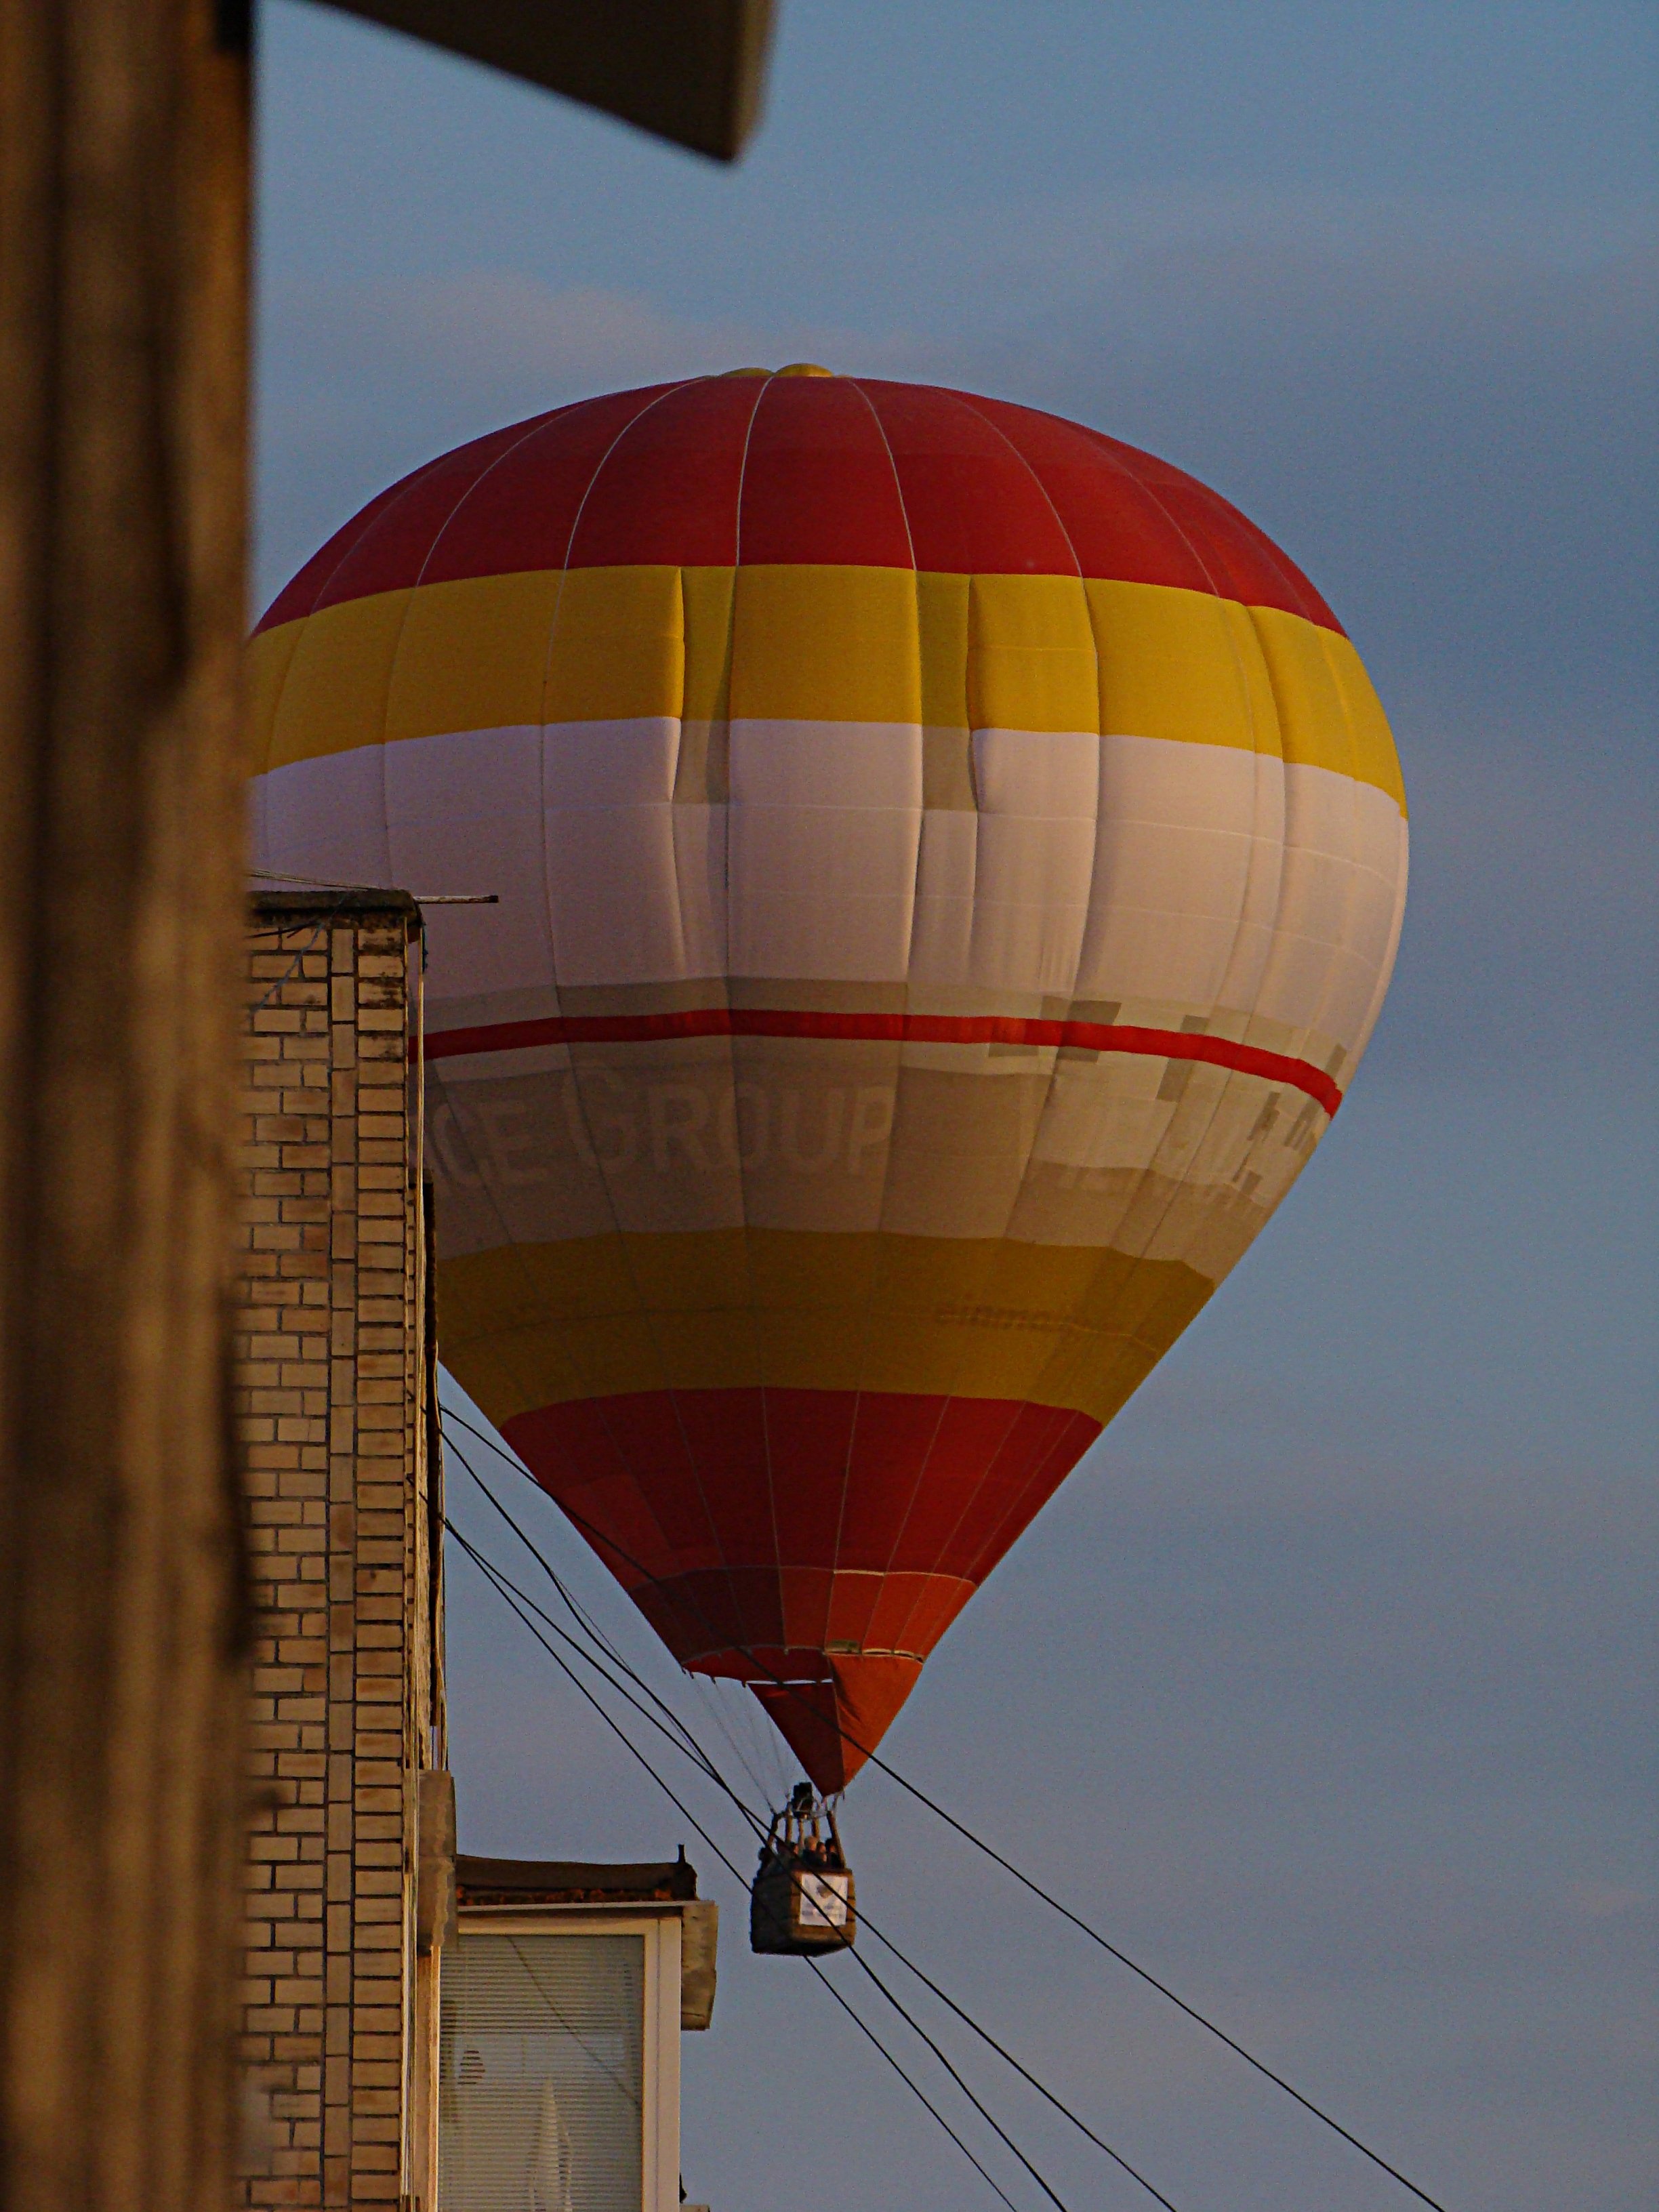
{"x":567,"y":1881}
{"x":689,"y":71}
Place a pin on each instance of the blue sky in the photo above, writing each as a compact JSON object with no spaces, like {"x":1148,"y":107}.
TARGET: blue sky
{"x":1326,"y":1684}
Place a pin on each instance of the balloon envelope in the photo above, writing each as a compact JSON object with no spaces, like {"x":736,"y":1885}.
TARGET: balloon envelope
{"x":949,"y":864}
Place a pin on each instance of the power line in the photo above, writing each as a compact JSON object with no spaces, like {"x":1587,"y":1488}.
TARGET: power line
{"x":317,"y":933}
{"x":1007,"y":2056}
{"x":916,"y":2028}
{"x":428,"y":898}
{"x":1026,"y":1881}
{"x":863,"y":2028}
{"x":675,"y":1729}
{"x":504,"y":1589}
{"x":525,"y":1606}
{"x":692,"y":1749}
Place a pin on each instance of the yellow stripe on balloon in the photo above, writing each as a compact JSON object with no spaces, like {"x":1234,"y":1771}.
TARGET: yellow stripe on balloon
{"x":1032,"y":657}
{"x":829,"y":644}
{"x":1329,"y":715}
{"x":535,"y":1325}
{"x":826,"y":644}
{"x":475,"y":646}
{"x":1182,"y":664}
{"x":318,"y":686}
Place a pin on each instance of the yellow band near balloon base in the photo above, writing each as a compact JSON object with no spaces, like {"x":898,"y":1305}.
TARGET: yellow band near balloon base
{"x":533,"y":1325}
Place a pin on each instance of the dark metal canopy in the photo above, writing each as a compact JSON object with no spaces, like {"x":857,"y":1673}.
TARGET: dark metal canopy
{"x":690,"y":70}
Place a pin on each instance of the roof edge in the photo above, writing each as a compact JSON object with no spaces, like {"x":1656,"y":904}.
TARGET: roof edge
{"x":572,"y":1882}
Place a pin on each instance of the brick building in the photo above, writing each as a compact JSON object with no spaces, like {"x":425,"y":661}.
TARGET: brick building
{"x":350,"y":1853}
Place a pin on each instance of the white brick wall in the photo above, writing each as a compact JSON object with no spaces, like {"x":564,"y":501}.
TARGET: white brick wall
{"x":331,"y":1409}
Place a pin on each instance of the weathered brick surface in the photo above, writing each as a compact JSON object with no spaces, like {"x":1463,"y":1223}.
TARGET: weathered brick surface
{"x":331,"y":1406}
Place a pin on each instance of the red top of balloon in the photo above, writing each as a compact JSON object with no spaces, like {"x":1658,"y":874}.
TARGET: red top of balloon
{"x":801,"y":469}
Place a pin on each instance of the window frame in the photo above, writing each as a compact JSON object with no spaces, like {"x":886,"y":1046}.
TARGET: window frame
{"x":660,"y":2089}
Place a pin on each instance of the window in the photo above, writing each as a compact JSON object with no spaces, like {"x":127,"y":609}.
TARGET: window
{"x":555,"y":2092}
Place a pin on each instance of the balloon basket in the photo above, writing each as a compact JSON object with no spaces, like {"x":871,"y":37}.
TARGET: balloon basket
{"x":802,"y":1902}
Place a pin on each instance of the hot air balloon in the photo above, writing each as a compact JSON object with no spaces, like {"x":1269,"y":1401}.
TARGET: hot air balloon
{"x":949,"y":864}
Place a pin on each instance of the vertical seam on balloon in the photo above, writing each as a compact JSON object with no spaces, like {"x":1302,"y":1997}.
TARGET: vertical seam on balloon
{"x":1229,"y":1083}
{"x":458,"y":1125}
{"x":1324,"y":1012}
{"x":510,"y":1243}
{"x":726,"y":1568}
{"x":1391,"y":949}
{"x":876,"y":1263}
{"x":576,"y":1087}
{"x":1280,"y":709}
{"x":684,"y":384}
{"x":533,"y":431}
{"x":415,"y":480}
{"x":879,"y":1251}
{"x":396,"y":493}
{"x":738,"y":1621}
{"x":947,"y":1399}
{"x":1144,"y":1179}
{"x":995,"y":1258}
{"x":758,"y":1334}
{"x":1055,"y":1424}
{"x":879,"y":1260}
{"x":1257,"y":1145}
{"x":1300,"y":588}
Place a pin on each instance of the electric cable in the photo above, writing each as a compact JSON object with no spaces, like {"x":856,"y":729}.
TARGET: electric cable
{"x":676,"y":1731}
{"x":319,"y":931}
{"x":707,"y":1766}
{"x":1007,"y":2056}
{"x":863,"y":2028}
{"x":990,"y":1851}
{"x":506,"y":1589}
{"x":577,"y":1611}
{"x":499,"y":1584}
{"x":590,"y":1628}
{"x":916,"y":2028}
{"x":518,"y":1599}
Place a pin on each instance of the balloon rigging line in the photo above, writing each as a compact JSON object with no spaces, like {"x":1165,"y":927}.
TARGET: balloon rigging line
{"x":692,"y":1749}
{"x":524,"y":1605}
{"x":508,"y":1588}
{"x":707,"y":1766}
{"x":498,"y":1582}
{"x":599,"y":1540}
{"x":704,"y":1690}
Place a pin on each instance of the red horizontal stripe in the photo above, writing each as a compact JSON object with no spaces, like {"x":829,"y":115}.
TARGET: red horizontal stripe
{"x":888,"y":1028}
